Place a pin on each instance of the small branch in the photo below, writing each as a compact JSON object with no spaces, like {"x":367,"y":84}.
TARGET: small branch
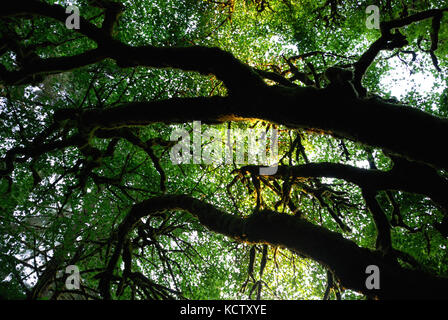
{"x":383,"y":240}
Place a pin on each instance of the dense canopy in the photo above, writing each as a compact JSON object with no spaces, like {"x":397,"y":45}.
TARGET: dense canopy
{"x":352,"y":118}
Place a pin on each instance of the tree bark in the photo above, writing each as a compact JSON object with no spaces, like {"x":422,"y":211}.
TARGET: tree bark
{"x":343,"y":257}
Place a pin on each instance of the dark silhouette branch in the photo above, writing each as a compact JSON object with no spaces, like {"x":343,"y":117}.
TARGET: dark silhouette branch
{"x":343,"y":257}
{"x":383,"y":240}
{"x":425,"y":181}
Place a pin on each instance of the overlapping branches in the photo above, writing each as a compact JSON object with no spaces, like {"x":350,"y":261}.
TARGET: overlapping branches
{"x":390,"y":40}
{"x":277,"y":229}
{"x":237,"y":76}
{"x":249,"y":97}
{"x":423,"y":180}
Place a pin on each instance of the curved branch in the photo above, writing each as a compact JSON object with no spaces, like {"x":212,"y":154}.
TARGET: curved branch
{"x":383,"y":240}
{"x":237,"y":76}
{"x":426,"y":182}
{"x":389,"y":41}
{"x":341,"y":256}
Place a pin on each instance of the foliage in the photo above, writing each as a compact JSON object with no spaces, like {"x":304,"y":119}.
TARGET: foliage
{"x":65,"y":206}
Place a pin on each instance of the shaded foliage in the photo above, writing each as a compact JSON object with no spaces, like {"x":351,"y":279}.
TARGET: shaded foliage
{"x":85,"y":143}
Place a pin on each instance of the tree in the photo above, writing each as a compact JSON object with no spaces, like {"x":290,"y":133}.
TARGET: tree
{"x":87,"y":178}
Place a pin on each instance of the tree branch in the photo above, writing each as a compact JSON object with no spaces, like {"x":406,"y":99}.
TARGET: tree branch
{"x":341,"y":256}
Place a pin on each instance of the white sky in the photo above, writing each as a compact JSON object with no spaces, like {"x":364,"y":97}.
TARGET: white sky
{"x":400,"y":81}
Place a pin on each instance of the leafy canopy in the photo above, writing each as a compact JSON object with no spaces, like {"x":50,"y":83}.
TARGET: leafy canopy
{"x":65,"y":205}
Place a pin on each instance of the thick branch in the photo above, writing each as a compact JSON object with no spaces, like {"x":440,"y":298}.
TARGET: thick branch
{"x":426,"y":182}
{"x":341,"y":256}
{"x":383,"y":240}
{"x":50,"y":66}
{"x":398,"y":23}
{"x":237,"y":76}
{"x":353,"y":118}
